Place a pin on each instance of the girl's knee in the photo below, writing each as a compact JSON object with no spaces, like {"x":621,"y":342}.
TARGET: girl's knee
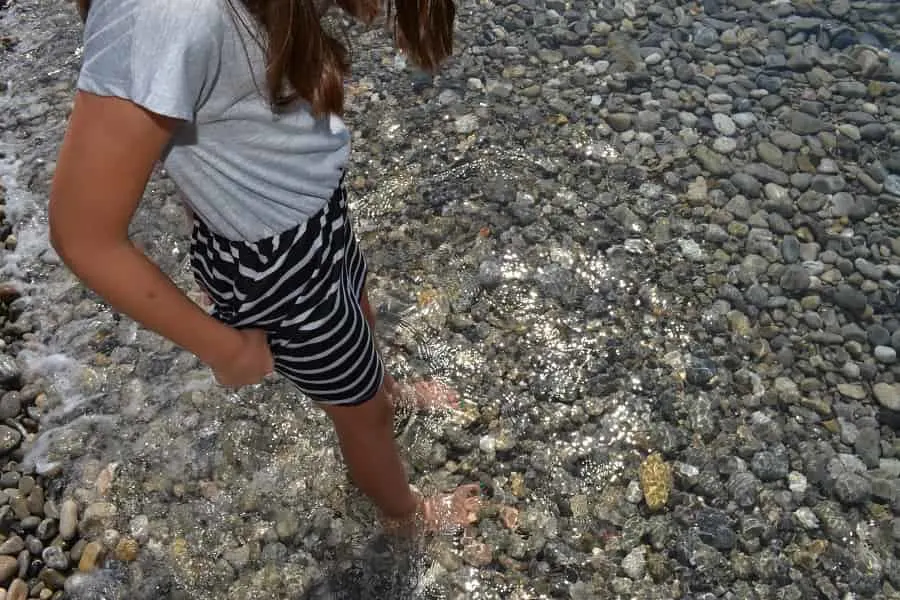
{"x":375,"y":412}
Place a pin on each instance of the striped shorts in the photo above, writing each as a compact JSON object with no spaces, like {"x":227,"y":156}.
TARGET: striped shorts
{"x":303,"y":287}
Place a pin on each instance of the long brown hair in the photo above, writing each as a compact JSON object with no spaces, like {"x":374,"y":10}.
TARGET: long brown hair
{"x":305,"y":62}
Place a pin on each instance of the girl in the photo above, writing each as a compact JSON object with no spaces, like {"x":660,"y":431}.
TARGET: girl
{"x":241,"y":100}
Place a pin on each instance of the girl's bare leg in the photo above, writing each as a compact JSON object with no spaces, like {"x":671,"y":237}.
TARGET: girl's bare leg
{"x":365,"y":433}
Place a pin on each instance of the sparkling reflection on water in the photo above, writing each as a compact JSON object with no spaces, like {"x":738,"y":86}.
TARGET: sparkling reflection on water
{"x":550,"y":321}
{"x":244,"y":492}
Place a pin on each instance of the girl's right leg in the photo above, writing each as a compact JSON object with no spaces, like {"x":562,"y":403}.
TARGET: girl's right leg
{"x":365,"y":433}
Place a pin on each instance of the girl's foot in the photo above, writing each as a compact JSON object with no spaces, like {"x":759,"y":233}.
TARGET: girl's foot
{"x":428,"y":395}
{"x":420,"y":395}
{"x":441,"y":513}
{"x":446,"y":512}
{"x":411,"y":398}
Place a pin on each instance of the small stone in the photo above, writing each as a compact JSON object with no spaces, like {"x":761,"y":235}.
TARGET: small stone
{"x":90,"y":557}
{"x":724,"y":124}
{"x":126,"y":550}
{"x":9,"y":566}
{"x":97,"y":517}
{"x":770,"y":466}
{"x":52,"y":579}
{"x":850,"y":299}
{"x":852,"y":488}
{"x":712,"y":161}
{"x":635,"y":563}
{"x":55,"y":558}
{"x":10,"y":405}
{"x":238,"y":557}
{"x":770,"y":154}
{"x":802,"y":123}
{"x":619,"y":121}
{"x":878,"y":335}
{"x":885,"y":354}
{"x":852,"y":390}
{"x":12,"y":546}
{"x":797,"y":482}
{"x":888,"y":395}
{"x":787,"y":140}
{"x":477,"y":554}
{"x":697,"y":191}
{"x":466,"y":124}
{"x":633,"y":493}
{"x":9,"y":370}
{"x":795,"y":279}
{"x":68,"y":519}
{"x":490,"y":274}
{"x":647,"y":120}
{"x":9,"y":439}
{"x":656,"y":481}
{"x":806,"y":518}
{"x":17,"y":591}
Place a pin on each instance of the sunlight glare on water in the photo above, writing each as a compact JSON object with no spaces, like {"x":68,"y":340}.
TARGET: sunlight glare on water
{"x":553,"y":335}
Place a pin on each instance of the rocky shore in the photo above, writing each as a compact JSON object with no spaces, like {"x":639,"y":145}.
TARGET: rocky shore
{"x":655,"y":244}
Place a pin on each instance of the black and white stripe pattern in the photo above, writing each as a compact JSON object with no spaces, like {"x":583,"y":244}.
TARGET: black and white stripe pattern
{"x":303,"y":287}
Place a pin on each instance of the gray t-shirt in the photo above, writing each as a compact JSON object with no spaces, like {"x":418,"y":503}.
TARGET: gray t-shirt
{"x":247,"y":172}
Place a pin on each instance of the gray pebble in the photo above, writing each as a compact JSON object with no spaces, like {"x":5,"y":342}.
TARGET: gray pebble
{"x":795,"y":279}
{"x":852,"y":488}
{"x":9,"y":370}
{"x":806,"y":518}
{"x":802,"y":123}
{"x":892,"y":185}
{"x":885,"y":354}
{"x":850,"y":299}
{"x":12,"y":546}
{"x":9,"y":439}
{"x":635,"y":563}
{"x":55,"y":558}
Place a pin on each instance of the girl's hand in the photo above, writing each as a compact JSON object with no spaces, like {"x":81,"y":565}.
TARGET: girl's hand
{"x":249,"y":362}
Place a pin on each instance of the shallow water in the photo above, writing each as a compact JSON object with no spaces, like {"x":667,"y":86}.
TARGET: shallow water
{"x":559,"y":327}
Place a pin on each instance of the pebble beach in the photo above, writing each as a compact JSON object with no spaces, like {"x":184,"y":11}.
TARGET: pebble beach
{"x":655,"y":246}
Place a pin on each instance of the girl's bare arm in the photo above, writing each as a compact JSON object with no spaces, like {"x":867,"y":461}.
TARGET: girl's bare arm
{"x":107,"y":156}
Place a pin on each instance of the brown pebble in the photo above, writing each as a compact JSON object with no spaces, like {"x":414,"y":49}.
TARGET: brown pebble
{"x":509,"y":516}
{"x":17,"y":591}
{"x":126,"y":549}
{"x":90,"y":557}
{"x":9,"y":566}
{"x":9,"y":292}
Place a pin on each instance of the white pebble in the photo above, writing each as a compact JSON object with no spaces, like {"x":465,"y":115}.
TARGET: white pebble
{"x":724,"y":145}
{"x":635,"y":563}
{"x":806,"y":517}
{"x":885,"y":354}
{"x":724,"y":124}
{"x":634,"y":494}
{"x":797,"y":482}
{"x":775,"y":192}
{"x":487,"y":444}
{"x":744,"y":120}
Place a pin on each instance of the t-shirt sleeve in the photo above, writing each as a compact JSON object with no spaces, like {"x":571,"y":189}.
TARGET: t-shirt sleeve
{"x":160,"y":54}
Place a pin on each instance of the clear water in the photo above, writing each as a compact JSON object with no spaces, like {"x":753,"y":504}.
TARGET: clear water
{"x":560,"y":363}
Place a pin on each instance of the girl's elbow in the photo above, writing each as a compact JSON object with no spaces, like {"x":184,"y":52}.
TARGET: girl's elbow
{"x":66,"y":237}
